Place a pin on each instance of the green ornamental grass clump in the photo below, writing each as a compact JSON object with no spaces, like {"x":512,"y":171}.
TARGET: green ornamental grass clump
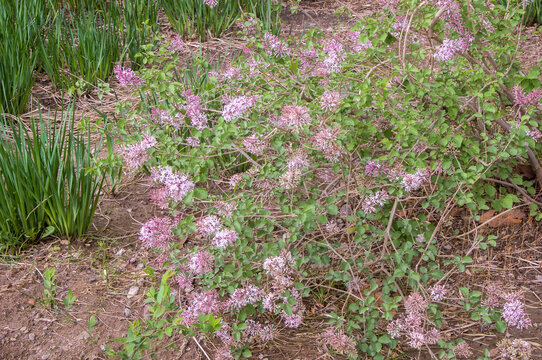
{"x":47,"y":184}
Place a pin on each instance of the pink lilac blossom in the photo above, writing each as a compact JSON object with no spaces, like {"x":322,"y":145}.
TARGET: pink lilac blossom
{"x":253,"y":144}
{"x":335,"y":56}
{"x":225,"y":209}
{"x":330,"y":100}
{"x":414,"y":181}
{"x":126,"y":76}
{"x":513,"y":311}
{"x":193,"y":141}
{"x":163,"y":117}
{"x":534,"y":134}
{"x":267,"y":333}
{"x":493,"y":290}
{"x":200,"y":262}
{"x":294,"y":117}
{"x":238,"y":106}
{"x":200,"y":303}
{"x":292,"y":321}
{"x":414,"y":323}
{"x":235,"y":180}
{"x":290,"y":179}
{"x":340,"y":342}
{"x":274,"y":46}
{"x":244,"y":296}
{"x":156,"y":233}
{"x":184,"y":282}
{"x":299,"y":160}
{"x":211,"y":3}
{"x":374,"y":168}
{"x":178,"y":184}
{"x":136,"y":154}
{"x":176,"y":44}
{"x":232,"y":73}
{"x":523,"y":99}
{"x":325,"y":141}
{"x":438,"y":292}
{"x":463,"y":350}
{"x":363,"y":46}
{"x":451,"y":47}
{"x":208,"y":225}
{"x":160,"y":197}
{"x":194,"y":110}
{"x":224,"y":237}
{"x":370,"y":202}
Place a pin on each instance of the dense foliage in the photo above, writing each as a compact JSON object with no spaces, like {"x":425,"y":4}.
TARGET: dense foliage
{"x":326,"y":167}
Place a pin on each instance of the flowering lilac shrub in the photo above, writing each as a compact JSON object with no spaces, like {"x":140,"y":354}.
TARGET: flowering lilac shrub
{"x":331,"y":168}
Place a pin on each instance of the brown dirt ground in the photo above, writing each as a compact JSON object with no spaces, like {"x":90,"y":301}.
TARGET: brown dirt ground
{"x":100,"y":276}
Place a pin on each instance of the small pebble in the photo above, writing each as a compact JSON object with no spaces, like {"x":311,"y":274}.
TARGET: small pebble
{"x":31,"y":336}
{"x":92,"y":280}
{"x":133,"y":291}
{"x":2,"y":336}
{"x":127,"y":312}
{"x":140,"y":266}
{"x":44,"y":357}
{"x":23,"y":329}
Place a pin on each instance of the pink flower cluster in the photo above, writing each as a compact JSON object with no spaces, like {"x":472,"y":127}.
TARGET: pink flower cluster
{"x":438,"y":292}
{"x":208,"y":225}
{"x":200,"y":262}
{"x":246,"y":295}
{"x":371,"y":201}
{"x":274,"y":46}
{"x":335,"y":56}
{"x":414,"y":181}
{"x":211,"y":3}
{"x":194,"y":110}
{"x":513,"y":311}
{"x":523,"y":99}
{"x":163,"y":117}
{"x":176,"y":185}
{"x":156,"y":233}
{"x":136,"y":154}
{"x":224,"y":209}
{"x":450,"y":47}
{"x":463,"y":350}
{"x":126,"y":76}
{"x":340,"y":342}
{"x":238,"y":106}
{"x":414,"y":324}
{"x":224,"y":237}
{"x":330,"y":100}
{"x":298,"y":160}
{"x":325,"y":141}
{"x":293,"y":117}
{"x":253,"y":144}
{"x":176,"y":44}
{"x":201,"y":303}
{"x":454,"y":21}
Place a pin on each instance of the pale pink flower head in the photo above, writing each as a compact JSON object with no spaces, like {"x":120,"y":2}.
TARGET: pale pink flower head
{"x":211,"y":3}
{"x":238,"y":106}
{"x":253,"y":144}
{"x":340,"y":342}
{"x":244,"y":296}
{"x":200,"y":262}
{"x":136,"y":154}
{"x":176,"y":44}
{"x":126,"y":76}
{"x":294,"y":117}
{"x":156,"y":233}
{"x":274,"y":46}
{"x":520,"y":98}
{"x":208,"y":225}
{"x":330,"y":100}
{"x":463,"y":350}
{"x":438,"y":292}
{"x":224,"y":237}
